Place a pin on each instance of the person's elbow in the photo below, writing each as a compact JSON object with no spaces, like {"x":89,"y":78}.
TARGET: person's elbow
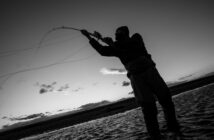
{"x":103,"y":53}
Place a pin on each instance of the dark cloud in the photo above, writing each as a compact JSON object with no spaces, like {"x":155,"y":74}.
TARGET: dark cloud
{"x":48,"y":113}
{"x":54,"y":88}
{"x":33,"y":116}
{"x":125,"y":83}
{"x":45,"y":88}
{"x":60,"y":110}
{"x":5,"y":126}
{"x":186,"y":77}
{"x":4,"y":117}
{"x":94,"y":105}
{"x":132,"y":92}
{"x":78,"y":89}
{"x":62,"y":88}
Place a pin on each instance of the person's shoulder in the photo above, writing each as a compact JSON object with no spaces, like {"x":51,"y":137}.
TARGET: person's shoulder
{"x":136,"y":36}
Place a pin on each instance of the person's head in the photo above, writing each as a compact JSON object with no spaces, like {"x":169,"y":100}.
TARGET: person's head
{"x":122,"y":33}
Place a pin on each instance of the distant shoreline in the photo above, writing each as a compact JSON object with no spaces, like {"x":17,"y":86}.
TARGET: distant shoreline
{"x":95,"y":113}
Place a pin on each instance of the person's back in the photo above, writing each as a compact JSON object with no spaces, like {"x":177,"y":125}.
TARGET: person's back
{"x":133,"y":48}
{"x":137,"y":38}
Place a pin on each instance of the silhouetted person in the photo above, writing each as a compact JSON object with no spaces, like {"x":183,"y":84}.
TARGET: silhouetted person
{"x":145,"y":79}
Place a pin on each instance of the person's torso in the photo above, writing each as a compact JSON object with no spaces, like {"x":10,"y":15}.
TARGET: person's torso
{"x":131,"y":51}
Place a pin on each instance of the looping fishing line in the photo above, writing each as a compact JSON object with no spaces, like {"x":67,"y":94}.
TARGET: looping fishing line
{"x":62,"y":61}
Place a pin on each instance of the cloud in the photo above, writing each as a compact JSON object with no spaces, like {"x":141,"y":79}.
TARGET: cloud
{"x":125,"y":83}
{"x":132,"y":92}
{"x":5,"y":117}
{"x":62,"y":88}
{"x":94,"y":105}
{"x":78,"y":89}
{"x":5,"y":126}
{"x":58,"y":89}
{"x":187,"y":77}
{"x":33,"y":116}
{"x":44,"y":88}
{"x":52,"y":88}
{"x":113,"y":71}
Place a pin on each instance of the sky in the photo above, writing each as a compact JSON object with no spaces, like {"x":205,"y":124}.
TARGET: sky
{"x":65,"y":72}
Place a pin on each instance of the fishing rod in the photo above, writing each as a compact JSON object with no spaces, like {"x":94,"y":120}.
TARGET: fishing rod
{"x":76,"y":29}
{"x":95,"y":34}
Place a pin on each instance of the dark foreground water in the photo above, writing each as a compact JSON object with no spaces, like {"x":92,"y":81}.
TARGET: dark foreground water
{"x":195,"y":111}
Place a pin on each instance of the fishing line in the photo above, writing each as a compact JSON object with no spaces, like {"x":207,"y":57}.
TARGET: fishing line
{"x":9,"y":75}
{"x":62,"y":61}
{"x":40,"y":44}
{"x":52,"y":30}
{"x":46,"y":66}
{"x":59,"y":28}
{"x":15,"y":51}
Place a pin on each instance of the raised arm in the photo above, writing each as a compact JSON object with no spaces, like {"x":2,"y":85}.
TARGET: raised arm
{"x":103,"y":50}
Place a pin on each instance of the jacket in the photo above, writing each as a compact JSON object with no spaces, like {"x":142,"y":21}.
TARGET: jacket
{"x":131,"y":53}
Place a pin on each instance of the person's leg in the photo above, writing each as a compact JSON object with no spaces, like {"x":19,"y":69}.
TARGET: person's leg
{"x":146,"y":99}
{"x":162,"y":92}
{"x":149,"y":110}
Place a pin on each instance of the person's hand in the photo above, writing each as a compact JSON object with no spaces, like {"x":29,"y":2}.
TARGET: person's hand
{"x":108,"y":40}
{"x":85,"y":32}
{"x":97,"y":35}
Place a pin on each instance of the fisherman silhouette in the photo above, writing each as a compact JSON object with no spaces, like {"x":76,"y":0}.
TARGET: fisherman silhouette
{"x":145,"y":79}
